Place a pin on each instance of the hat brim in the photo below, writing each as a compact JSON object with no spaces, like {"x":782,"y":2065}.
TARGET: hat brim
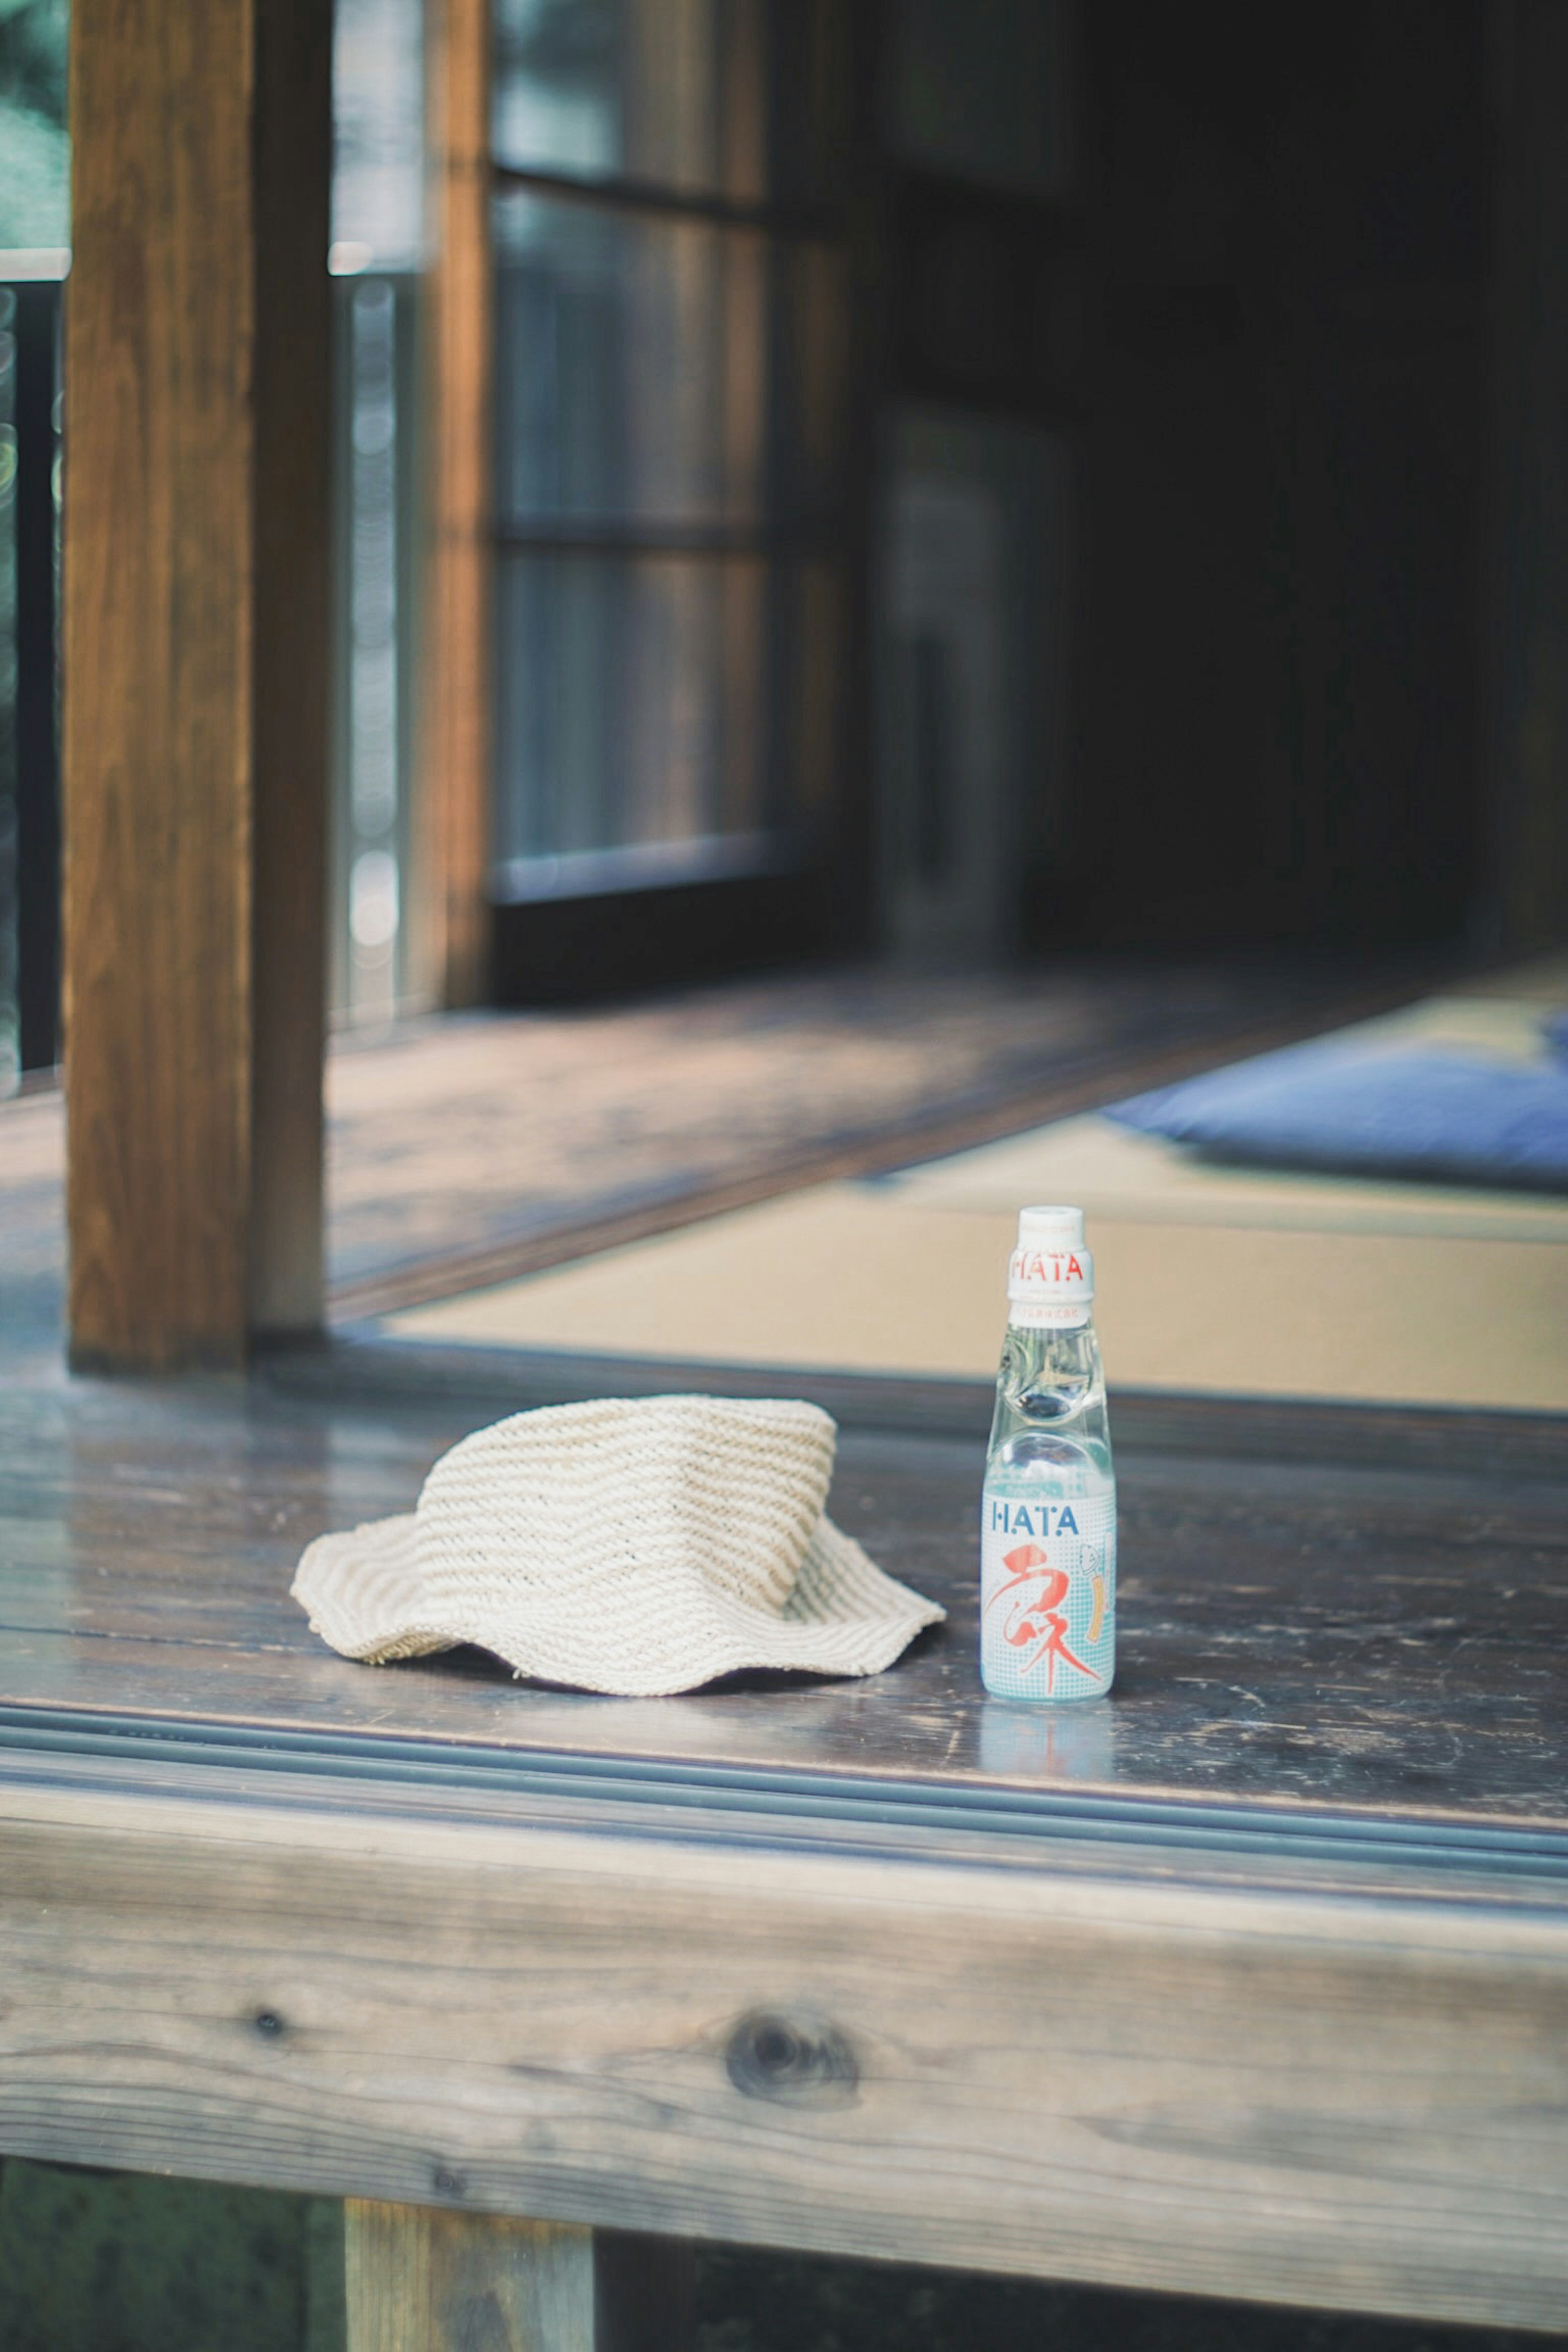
{"x":367,"y":1596}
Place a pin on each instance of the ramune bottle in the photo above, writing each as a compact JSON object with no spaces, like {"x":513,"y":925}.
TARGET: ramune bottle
{"x":1048,"y":1542}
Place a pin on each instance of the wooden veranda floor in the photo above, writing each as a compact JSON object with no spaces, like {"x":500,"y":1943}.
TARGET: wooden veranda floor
{"x":465,"y":1151}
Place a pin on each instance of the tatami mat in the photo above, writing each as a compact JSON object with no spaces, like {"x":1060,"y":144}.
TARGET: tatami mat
{"x":1113,"y":1171}
{"x":1209,"y":1278}
{"x":849,"y":1278}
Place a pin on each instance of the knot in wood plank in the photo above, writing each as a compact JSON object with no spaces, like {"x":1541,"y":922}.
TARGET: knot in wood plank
{"x":798,"y":2061}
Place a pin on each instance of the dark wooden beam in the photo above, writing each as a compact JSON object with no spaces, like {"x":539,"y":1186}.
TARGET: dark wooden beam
{"x":194,"y":675}
{"x":38,"y":720}
{"x":451,"y":932}
{"x":1525,"y":846}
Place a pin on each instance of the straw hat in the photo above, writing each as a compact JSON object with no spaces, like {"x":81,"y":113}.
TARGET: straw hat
{"x":634,"y":1545}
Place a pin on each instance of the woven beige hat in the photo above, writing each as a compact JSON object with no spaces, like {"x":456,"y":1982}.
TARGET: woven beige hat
{"x":634,"y":1545}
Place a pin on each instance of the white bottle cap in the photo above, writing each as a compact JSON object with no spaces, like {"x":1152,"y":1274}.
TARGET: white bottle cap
{"x":1050,"y":1276}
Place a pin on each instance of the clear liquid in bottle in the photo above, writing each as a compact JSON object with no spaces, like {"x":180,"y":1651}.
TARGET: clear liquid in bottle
{"x":1048,"y":1543}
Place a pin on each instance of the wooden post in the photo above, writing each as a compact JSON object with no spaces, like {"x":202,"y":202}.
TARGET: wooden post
{"x":426,"y":2280}
{"x":452,"y":929}
{"x":194,"y":629}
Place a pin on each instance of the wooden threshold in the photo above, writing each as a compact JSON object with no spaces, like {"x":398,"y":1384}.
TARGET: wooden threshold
{"x":359,"y":1361}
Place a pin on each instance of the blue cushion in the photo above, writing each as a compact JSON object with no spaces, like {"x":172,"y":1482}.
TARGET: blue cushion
{"x":1555,"y":1026}
{"x":1352,"y":1109}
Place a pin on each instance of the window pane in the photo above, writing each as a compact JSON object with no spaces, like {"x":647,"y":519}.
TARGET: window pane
{"x":630,"y":701}
{"x":657,"y":371}
{"x":665,"y":90}
{"x":740,"y":99}
{"x":629,"y":357}
{"x":378,"y":135}
{"x":663,"y":701}
{"x":35,"y":153}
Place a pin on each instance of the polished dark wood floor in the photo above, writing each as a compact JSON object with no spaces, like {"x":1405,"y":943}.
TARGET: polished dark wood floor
{"x":1269,"y":1949}
{"x":1325,"y":1617}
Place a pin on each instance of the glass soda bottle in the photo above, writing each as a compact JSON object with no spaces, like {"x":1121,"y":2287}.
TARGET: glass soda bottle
{"x":1047,"y":1539}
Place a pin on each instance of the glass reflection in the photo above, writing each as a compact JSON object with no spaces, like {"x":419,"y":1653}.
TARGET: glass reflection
{"x":668,"y":92}
{"x":630,"y":700}
{"x":670,"y":395}
{"x":629,"y":354}
{"x":1049,"y":1744}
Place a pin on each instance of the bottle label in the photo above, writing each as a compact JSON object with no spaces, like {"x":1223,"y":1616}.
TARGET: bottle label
{"x":1047,"y":1595}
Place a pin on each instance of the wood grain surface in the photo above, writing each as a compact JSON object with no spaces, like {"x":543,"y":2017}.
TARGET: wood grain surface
{"x":192,"y":669}
{"x":421,"y":2280}
{"x":451,"y":942}
{"x":1346,"y":2102}
{"x":1385,"y":1638}
{"x":1252,"y":1981}
{"x":435,"y":2279}
{"x":290,"y":725}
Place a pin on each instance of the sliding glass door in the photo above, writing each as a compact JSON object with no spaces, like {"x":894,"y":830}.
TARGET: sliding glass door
{"x":673,"y":533}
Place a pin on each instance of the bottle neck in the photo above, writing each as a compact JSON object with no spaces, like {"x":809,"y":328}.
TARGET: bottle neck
{"x":1050,"y":1379}
{"x":1020,"y":1321}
